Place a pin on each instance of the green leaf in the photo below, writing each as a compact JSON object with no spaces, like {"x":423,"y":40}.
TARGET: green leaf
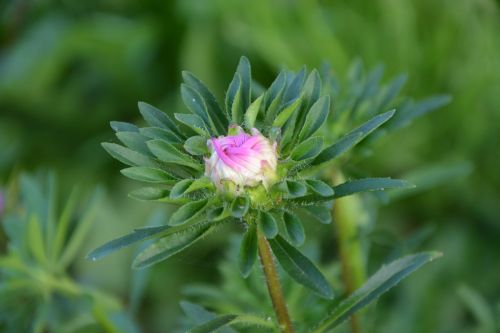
{"x":128,"y":156}
{"x":180,"y":188}
{"x":275,"y":90}
{"x":368,"y":184}
{"x":248,"y":250}
{"x":213,"y":324}
{"x":268,"y":225}
{"x":147,"y":174}
{"x":149,"y":193}
{"x":237,"y":110}
{"x":245,"y":72}
{"x":166,"y":152}
{"x":35,"y":240}
{"x":239,"y":92}
{"x":287,"y":112}
{"x":196,"y":145}
{"x":307,"y":149}
{"x":319,"y":213}
{"x":134,"y":141}
{"x":294,"y":229}
{"x":392,"y":90}
{"x":273,"y":97}
{"x":294,"y":88}
{"x":252,"y":112}
{"x":63,"y":224}
{"x":157,"y":118}
{"x":231,"y":94}
{"x":124,"y":241}
{"x":239,"y":206}
{"x":119,"y":126}
{"x":213,"y":107}
{"x":410,"y":111}
{"x":188,"y":212}
{"x":320,"y":187}
{"x":352,"y":138}
{"x":316,"y":116}
{"x":311,"y":89}
{"x":198,"y":184}
{"x":169,"y":245}
{"x":160,"y":133}
{"x":196,"y":105}
{"x":82,"y":230}
{"x":292,"y":188}
{"x":383,"y":280}
{"x":300,"y":268}
{"x":194,"y":122}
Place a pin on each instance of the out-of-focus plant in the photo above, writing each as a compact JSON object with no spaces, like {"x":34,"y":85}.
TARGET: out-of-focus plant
{"x":258,"y":152}
{"x":42,"y":243}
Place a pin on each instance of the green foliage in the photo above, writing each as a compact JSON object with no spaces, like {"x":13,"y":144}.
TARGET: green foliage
{"x":42,"y":244}
{"x":300,"y":268}
{"x":387,"y":277}
{"x":292,"y":107}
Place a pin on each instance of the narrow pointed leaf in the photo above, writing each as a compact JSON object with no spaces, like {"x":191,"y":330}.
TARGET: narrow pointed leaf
{"x":232,"y":91}
{"x":169,"y":245}
{"x":157,"y":118}
{"x":245,"y":71}
{"x":295,"y":85}
{"x":124,"y":241}
{"x":213,"y":107}
{"x":368,"y":184}
{"x":294,"y":229}
{"x":148,"y":174}
{"x":287,"y":112}
{"x":120,"y":126}
{"x":316,"y":117}
{"x":180,"y":188}
{"x":307,"y":149}
{"x":196,"y":145}
{"x":194,"y":122}
{"x":414,"y":110}
{"x":166,"y":152}
{"x":383,"y":280}
{"x":214,"y":324}
{"x":352,"y":138}
{"x":135,"y":141}
{"x":311,"y":89}
{"x":268,"y":225}
{"x":300,"y":268}
{"x":188,"y":212}
{"x":248,"y":250}
{"x":252,"y":112}
{"x":197,"y":106}
{"x":128,"y":156}
{"x":319,"y":187}
{"x":160,"y":133}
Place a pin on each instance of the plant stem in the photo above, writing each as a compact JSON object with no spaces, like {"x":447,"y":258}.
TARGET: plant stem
{"x":347,"y":215}
{"x":273,"y":284}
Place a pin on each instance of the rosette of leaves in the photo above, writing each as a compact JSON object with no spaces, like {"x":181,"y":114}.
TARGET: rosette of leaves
{"x":37,"y":292}
{"x":169,"y":154}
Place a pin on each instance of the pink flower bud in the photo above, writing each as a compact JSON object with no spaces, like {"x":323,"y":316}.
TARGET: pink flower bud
{"x":243,"y":159}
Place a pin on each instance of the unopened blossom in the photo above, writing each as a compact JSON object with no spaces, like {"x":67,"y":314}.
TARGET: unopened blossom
{"x":243,"y":159}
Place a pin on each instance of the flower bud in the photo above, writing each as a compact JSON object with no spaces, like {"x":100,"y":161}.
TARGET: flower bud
{"x":242,"y":159}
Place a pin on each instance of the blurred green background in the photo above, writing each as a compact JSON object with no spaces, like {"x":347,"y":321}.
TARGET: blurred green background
{"x":67,"y":68}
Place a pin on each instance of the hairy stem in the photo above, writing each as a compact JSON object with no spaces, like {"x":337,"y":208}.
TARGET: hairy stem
{"x":347,"y":215}
{"x":273,"y":284}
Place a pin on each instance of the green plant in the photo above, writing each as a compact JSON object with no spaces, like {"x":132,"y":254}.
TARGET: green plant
{"x":42,"y":243}
{"x":208,"y":164}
